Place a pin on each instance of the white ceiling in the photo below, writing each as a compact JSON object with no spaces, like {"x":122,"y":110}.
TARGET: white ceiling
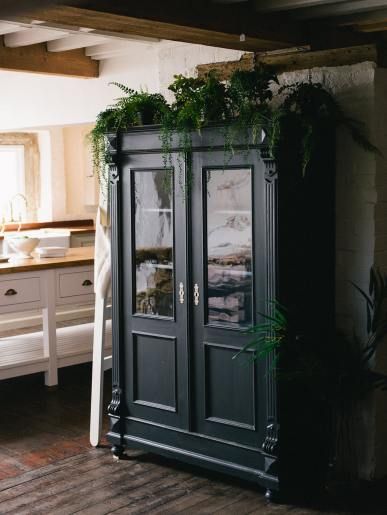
{"x":97,"y":44}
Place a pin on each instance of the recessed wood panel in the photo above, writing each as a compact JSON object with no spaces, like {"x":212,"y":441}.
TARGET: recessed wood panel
{"x":229,"y":388}
{"x":154,"y":371}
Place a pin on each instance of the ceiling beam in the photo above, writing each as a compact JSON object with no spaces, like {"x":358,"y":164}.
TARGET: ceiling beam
{"x":7,"y":28}
{"x":379,"y":26}
{"x":74,"y":41}
{"x":345,"y":8}
{"x":298,"y":60}
{"x":32,"y":37}
{"x":113,"y":49}
{"x":157,"y":19}
{"x":283,"y":5}
{"x":37,"y":59}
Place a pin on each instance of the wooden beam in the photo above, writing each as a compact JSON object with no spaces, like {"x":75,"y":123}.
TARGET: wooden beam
{"x":283,"y":62}
{"x":379,"y":26}
{"x":37,"y":59}
{"x":225,"y":69}
{"x":207,"y":26}
{"x":320,"y":58}
{"x":282,"y":5}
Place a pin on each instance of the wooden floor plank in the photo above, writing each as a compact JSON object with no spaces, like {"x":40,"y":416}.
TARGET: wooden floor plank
{"x":53,"y":475}
{"x":133,"y":498}
{"x":214,"y":503}
{"x":7,"y":484}
{"x":65,"y":491}
{"x":106,"y":499}
{"x":242,"y":506}
{"x":159,"y":497}
{"x":183,"y":502}
{"x":49,"y":467}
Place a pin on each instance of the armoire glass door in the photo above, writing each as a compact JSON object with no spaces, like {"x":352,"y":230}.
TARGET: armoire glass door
{"x":155,"y":311}
{"x":228,"y":287}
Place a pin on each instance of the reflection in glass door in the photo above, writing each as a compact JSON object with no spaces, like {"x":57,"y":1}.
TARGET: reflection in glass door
{"x":229,"y":247}
{"x":153,"y":241}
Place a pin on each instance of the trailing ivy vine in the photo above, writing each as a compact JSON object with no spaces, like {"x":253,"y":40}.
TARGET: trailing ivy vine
{"x":240,"y":107}
{"x":135,"y":108}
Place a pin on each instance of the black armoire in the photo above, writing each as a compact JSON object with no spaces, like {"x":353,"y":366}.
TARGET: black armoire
{"x":201,"y":245}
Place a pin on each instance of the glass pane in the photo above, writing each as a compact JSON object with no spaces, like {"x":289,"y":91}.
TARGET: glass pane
{"x":229,"y":247}
{"x":153,"y":243}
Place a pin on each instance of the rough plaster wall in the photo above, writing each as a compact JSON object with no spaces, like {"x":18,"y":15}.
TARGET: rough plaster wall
{"x":356,"y":219}
{"x":182,"y":58}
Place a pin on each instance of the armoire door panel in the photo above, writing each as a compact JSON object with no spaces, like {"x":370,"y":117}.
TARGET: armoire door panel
{"x":154,"y":367}
{"x":228,"y":269}
{"x":225,"y":385}
{"x":154,"y":252}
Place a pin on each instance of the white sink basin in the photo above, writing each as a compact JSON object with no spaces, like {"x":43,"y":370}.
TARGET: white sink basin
{"x":22,"y":245}
{"x":47,"y":238}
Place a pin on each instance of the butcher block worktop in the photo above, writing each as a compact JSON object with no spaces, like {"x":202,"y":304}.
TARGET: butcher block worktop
{"x":73,"y":226}
{"x":75,"y":257}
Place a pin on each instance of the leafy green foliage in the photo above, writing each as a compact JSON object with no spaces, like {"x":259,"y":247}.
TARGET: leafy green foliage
{"x":242,"y":107}
{"x":270,"y":334}
{"x":309,"y":106}
{"x":135,"y":108}
{"x":339,"y":372}
{"x":250,"y":89}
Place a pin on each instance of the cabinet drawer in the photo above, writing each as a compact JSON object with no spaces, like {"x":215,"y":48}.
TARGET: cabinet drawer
{"x":19,"y":291}
{"x":76,"y":283}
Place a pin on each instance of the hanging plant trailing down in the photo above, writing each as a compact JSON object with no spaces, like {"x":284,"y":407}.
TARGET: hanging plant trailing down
{"x":250,"y":94}
{"x":134,"y":109}
{"x":309,"y":106}
{"x":241,"y":108}
{"x":198,"y":103}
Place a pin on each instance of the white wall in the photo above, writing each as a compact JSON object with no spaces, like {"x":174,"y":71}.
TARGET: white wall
{"x":182,"y":58}
{"x":30,"y":100}
{"x":48,"y":104}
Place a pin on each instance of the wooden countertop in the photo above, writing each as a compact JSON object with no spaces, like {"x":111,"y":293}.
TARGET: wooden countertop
{"x":77,"y":256}
{"x":74,"y":227}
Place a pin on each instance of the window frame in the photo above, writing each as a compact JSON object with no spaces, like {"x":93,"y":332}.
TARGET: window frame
{"x":29,"y":141}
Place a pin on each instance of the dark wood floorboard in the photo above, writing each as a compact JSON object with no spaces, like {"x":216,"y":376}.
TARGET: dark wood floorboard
{"x":48,"y":467}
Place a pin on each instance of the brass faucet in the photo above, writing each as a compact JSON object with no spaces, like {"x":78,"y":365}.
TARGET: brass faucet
{"x":23,"y":197}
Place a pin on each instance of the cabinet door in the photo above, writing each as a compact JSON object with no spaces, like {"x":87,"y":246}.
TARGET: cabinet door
{"x":228,"y":290}
{"x":154,"y":297}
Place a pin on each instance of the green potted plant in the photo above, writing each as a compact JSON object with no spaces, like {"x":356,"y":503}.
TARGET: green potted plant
{"x":135,"y":108}
{"x":337,"y":376}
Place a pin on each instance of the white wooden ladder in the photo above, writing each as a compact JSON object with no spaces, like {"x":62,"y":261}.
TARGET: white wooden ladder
{"x":100,"y":364}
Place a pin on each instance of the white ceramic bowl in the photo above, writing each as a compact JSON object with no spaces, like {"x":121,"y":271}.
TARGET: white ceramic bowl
{"x":22,"y":245}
